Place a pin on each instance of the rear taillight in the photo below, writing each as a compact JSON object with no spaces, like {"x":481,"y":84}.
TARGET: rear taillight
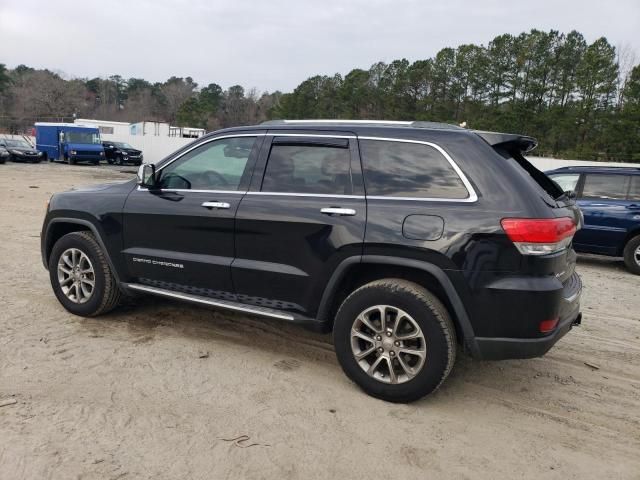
{"x":539,"y":236}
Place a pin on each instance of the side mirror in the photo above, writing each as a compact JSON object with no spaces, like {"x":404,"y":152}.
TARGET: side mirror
{"x":571,"y":194}
{"x":147,"y":175}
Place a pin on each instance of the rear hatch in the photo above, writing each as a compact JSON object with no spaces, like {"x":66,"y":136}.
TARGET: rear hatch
{"x":561,"y":205}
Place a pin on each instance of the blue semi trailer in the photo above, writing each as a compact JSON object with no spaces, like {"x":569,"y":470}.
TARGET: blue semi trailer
{"x":69,"y":142}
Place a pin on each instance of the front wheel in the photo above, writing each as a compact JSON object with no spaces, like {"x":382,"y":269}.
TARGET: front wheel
{"x":81,"y":277}
{"x":632,"y":255}
{"x":395,"y":340}
{"x":118,"y":160}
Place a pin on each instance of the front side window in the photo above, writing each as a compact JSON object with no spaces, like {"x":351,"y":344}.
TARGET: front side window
{"x":567,"y":182}
{"x":316,"y":169}
{"x":402,"y":169}
{"x":216,"y":165}
{"x":605,"y":186}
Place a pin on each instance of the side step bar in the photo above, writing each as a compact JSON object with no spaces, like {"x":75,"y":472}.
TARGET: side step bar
{"x":240,"y":307}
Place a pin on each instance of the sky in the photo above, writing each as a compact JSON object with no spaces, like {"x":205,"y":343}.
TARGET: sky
{"x":276,"y":44}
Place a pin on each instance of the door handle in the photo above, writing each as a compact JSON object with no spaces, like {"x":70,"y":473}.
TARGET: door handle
{"x":217,"y":205}
{"x":344,"y":212}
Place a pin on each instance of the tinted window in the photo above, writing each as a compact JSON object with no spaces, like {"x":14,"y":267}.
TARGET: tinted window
{"x":605,"y":186}
{"x":308,"y":169}
{"x":400,"y":169}
{"x":567,"y":182}
{"x":634,"y":191}
{"x":216,"y":165}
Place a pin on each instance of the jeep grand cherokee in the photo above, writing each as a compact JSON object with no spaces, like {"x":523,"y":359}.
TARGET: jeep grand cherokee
{"x":406,"y":239}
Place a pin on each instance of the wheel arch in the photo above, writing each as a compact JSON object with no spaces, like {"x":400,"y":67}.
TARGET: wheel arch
{"x":359,"y":270}
{"x":61,"y":226}
{"x":631,"y":234}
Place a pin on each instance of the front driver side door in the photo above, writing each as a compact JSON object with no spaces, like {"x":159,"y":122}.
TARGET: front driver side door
{"x":179,"y":236}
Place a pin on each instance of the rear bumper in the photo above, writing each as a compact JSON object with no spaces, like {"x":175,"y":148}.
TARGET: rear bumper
{"x":505,"y":348}
{"x":502,"y":348}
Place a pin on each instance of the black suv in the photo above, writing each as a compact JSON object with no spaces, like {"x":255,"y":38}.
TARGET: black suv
{"x":403,"y":238}
{"x":121,"y":153}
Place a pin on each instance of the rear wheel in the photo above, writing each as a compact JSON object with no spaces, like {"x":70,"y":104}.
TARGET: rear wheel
{"x":81,"y":277}
{"x":395,"y":340}
{"x":632,"y":255}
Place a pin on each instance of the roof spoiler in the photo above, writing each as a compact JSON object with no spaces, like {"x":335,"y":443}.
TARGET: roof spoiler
{"x":508,"y":141}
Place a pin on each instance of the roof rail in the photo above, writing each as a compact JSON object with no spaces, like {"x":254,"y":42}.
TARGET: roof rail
{"x":602,"y":167}
{"x":334,"y":121}
{"x":395,"y":123}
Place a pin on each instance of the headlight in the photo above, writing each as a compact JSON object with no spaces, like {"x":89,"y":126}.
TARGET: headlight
{"x":16,"y":152}
{"x":102,"y":154}
{"x":73,"y":152}
{"x":39,"y":154}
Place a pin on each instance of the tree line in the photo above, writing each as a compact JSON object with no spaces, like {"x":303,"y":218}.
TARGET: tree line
{"x":580,"y":99}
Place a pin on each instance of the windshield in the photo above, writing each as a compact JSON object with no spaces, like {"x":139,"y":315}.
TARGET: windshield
{"x":82,"y":137}
{"x":17,"y":143}
{"x":122,"y":145}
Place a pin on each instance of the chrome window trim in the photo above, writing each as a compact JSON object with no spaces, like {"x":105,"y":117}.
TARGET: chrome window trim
{"x":473,"y":197}
{"x":294,"y":194}
{"x":236,"y":192}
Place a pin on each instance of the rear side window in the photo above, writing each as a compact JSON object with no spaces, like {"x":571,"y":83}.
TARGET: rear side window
{"x":605,"y":186}
{"x":402,"y":169}
{"x":634,"y":191}
{"x":309,"y":168}
{"x":567,"y":182}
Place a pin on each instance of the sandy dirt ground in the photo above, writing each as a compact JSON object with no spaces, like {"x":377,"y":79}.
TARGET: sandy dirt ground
{"x":159,"y":390}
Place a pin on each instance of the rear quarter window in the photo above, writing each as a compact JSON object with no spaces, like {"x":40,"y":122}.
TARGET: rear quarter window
{"x":403,"y":169}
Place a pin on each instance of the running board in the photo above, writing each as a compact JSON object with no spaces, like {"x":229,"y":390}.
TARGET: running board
{"x":240,"y":307}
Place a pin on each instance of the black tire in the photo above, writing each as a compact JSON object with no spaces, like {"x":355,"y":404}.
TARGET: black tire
{"x":430,"y":315}
{"x":118,"y":160}
{"x":106,"y":293}
{"x":71,"y":160}
{"x":110,"y":161}
{"x":631,"y":260}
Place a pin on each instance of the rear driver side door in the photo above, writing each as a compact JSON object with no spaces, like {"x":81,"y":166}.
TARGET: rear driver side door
{"x":299,"y":220}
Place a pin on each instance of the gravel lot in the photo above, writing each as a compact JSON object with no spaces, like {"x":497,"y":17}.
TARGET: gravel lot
{"x":160,"y":390}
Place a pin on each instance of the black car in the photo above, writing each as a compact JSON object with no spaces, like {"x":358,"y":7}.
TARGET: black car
{"x":405,"y":239}
{"x":4,"y":154}
{"x":20,"y":151}
{"x":121,"y":153}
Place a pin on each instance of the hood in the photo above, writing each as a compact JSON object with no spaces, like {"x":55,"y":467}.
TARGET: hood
{"x":87,"y":147}
{"x":96,"y":188}
{"x":23,"y":149}
{"x":131,"y":150}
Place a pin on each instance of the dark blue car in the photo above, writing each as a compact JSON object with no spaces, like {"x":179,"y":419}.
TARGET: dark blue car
{"x":609,"y":198}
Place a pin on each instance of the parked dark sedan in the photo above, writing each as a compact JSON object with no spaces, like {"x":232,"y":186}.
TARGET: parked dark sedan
{"x":609,"y":198}
{"x":4,"y":154}
{"x":20,"y":150}
{"x":121,"y":153}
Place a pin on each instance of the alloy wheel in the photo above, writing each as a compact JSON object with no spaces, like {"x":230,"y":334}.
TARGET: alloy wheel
{"x":388,"y":344}
{"x":76,"y":275}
